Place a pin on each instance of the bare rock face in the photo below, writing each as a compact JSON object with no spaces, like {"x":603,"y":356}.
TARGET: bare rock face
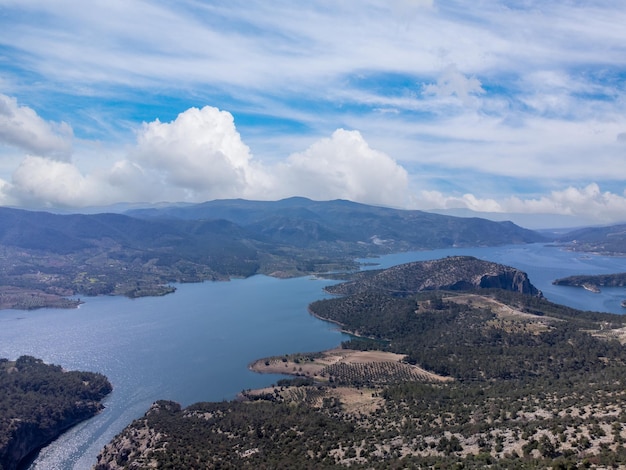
{"x":451,"y":273}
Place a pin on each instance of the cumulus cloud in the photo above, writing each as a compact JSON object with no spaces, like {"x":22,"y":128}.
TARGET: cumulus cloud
{"x":344,"y":166}
{"x":200,"y":156}
{"x":47,"y":182}
{"x":439,"y":200}
{"x":22,"y":127}
{"x":588,"y":203}
{"x":200,"y":151}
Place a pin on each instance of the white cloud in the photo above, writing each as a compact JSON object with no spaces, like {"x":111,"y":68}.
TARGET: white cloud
{"x":45,"y":182}
{"x":587,"y":203}
{"x":200,"y":156}
{"x":21,"y":127}
{"x":344,"y":166}
{"x":201,"y":151}
{"x":405,"y":10}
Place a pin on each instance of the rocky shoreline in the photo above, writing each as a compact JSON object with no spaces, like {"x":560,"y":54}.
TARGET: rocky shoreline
{"x":39,"y":402}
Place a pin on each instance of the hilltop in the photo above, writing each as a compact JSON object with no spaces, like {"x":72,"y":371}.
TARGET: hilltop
{"x":609,"y":240}
{"x":451,"y":273}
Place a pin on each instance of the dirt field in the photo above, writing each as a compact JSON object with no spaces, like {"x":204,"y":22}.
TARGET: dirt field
{"x":314,"y":365}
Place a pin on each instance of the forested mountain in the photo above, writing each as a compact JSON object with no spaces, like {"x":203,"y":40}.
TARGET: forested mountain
{"x":606,"y":240}
{"x":45,"y":256}
{"x":305,"y":223}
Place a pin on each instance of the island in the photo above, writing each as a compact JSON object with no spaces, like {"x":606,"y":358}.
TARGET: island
{"x":593,"y":283}
{"x":442,"y":374}
{"x":39,"y":401}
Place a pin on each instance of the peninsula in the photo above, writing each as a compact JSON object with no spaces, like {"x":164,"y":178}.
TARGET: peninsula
{"x":593,"y":282}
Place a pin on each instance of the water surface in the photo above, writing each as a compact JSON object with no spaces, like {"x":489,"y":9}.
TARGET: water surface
{"x":194,"y":345}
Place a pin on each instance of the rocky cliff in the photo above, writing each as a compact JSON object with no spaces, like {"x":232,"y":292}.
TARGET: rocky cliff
{"x":451,"y":273}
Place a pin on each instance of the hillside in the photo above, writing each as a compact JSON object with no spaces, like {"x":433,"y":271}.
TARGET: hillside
{"x":305,"y":223}
{"x":609,"y":240}
{"x":489,"y":378}
{"x":39,"y":401}
{"x":46,"y":257}
{"x":452,"y":273}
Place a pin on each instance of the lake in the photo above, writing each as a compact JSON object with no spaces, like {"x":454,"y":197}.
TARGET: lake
{"x":195,"y":345}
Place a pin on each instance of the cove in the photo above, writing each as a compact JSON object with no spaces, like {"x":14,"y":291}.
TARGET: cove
{"x":194,"y":345}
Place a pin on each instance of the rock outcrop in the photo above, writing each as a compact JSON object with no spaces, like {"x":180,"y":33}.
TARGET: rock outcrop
{"x":451,"y":273}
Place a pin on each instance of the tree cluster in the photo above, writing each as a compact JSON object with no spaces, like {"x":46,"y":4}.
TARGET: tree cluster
{"x":39,"y":401}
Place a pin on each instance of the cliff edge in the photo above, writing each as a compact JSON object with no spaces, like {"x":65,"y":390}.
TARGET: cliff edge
{"x":451,"y":273}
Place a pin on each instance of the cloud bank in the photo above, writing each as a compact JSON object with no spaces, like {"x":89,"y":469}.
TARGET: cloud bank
{"x":200,"y":156}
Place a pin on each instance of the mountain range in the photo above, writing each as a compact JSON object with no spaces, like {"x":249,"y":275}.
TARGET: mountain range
{"x":143,"y":251}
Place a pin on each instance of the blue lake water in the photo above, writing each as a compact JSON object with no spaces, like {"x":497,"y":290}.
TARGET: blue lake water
{"x":195,"y":345}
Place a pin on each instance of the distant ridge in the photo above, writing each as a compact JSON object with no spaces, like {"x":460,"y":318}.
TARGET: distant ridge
{"x":289,"y":220}
{"x":141,"y":252}
{"x":606,"y":240}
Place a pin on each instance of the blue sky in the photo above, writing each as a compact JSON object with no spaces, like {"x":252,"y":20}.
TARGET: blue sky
{"x":499,"y":107}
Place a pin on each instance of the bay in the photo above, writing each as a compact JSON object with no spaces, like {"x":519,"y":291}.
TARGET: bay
{"x":196,"y":344}
{"x":193,"y":345}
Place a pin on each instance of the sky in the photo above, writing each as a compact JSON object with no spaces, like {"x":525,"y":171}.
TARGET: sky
{"x":495,"y":106}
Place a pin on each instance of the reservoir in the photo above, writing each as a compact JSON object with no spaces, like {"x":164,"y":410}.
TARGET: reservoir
{"x":195,"y":345}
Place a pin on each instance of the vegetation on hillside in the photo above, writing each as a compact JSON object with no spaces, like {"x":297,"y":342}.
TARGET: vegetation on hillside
{"x":39,"y":401}
{"x":609,"y":240}
{"x":598,"y":280}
